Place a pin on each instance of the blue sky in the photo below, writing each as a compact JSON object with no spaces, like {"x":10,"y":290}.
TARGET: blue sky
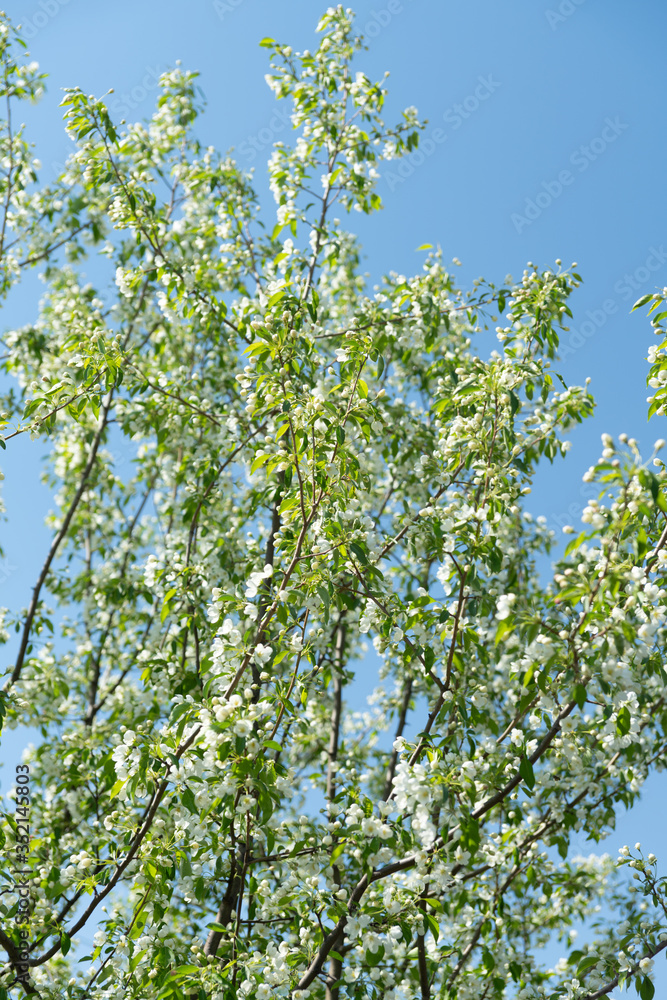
{"x":546,"y":139}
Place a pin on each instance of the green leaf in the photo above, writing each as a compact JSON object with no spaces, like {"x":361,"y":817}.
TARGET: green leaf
{"x":326,"y":601}
{"x":184,"y":970}
{"x":647,"y":989}
{"x":488,"y":960}
{"x":623,"y":721}
{"x":259,"y":462}
{"x":373,"y":958}
{"x":575,"y":543}
{"x":504,"y":626}
{"x":432,"y":925}
{"x":470,"y":834}
{"x":526,"y":772}
{"x":337,"y":851}
{"x":586,"y":964}
{"x":359,"y":552}
{"x":188,"y":800}
{"x":642,"y":301}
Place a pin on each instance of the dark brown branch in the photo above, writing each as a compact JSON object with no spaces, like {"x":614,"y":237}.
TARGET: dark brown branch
{"x":227,"y":908}
{"x":335,"y":964}
{"x":54,"y":246}
{"x":400,"y":727}
{"x":603,"y":991}
{"x":55,"y":545}
{"x":424,"y":984}
{"x":95,"y":679}
{"x":144,"y":826}
{"x":15,"y":962}
{"x":335,"y":936}
{"x":331,"y":939}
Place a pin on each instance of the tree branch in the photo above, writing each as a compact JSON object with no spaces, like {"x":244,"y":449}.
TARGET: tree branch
{"x":55,"y":545}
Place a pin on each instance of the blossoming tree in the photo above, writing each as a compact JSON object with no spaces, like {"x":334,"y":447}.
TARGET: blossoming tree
{"x":261,"y":470}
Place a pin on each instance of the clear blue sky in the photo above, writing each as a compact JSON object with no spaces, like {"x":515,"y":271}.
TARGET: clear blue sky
{"x":546,"y":139}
